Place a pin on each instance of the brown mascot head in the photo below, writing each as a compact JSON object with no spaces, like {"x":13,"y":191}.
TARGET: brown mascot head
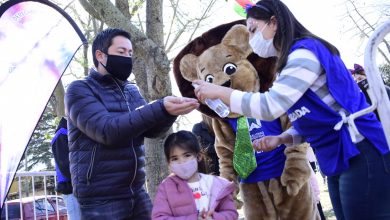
{"x":223,"y":56}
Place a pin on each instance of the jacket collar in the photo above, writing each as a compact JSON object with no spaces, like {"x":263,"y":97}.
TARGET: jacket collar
{"x":105,"y":79}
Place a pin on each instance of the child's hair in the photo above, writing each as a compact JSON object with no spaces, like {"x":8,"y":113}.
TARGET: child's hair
{"x":185,"y":140}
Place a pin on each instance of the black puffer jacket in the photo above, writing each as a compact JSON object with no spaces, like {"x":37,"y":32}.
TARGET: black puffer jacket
{"x":106,"y":127}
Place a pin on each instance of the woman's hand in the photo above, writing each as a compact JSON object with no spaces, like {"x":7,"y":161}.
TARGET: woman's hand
{"x":267,"y":143}
{"x":206,"y":90}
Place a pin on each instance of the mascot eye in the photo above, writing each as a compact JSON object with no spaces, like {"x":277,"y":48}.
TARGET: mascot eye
{"x":209,"y":78}
{"x":229,"y":68}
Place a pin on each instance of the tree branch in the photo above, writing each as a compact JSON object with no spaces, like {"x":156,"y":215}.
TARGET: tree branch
{"x":204,"y":15}
{"x":140,"y":24}
{"x":174,"y":6}
{"x":123,"y":6}
{"x":154,"y":21}
{"x":177,"y":36}
{"x":363,"y":31}
{"x":88,"y":7}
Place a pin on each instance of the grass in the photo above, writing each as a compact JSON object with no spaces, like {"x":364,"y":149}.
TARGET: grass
{"x":325,"y":199}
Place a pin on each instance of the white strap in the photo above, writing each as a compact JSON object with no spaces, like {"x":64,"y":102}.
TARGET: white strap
{"x":353,"y":132}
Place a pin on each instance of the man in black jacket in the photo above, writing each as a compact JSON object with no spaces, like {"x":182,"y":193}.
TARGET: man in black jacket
{"x":107,"y":122}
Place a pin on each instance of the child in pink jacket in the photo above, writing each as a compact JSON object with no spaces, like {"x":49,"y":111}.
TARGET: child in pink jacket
{"x":187,"y":193}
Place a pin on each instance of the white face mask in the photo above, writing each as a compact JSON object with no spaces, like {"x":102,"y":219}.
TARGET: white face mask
{"x":184,"y":170}
{"x":262,"y":47}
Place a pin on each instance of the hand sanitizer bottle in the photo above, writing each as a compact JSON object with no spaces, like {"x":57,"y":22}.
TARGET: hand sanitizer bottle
{"x":216,"y":105}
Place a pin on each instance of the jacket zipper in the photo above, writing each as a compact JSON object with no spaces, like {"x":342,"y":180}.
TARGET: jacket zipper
{"x":132,"y":144}
{"x":91,"y":163}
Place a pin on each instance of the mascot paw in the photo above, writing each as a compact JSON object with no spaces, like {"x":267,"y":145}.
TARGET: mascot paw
{"x":293,"y":188}
{"x":238,"y":203}
{"x":277,"y":191}
{"x":296,"y":170}
{"x":229,"y":176}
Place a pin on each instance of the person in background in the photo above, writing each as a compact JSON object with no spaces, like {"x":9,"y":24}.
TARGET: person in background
{"x":59,"y":147}
{"x":314,"y":182}
{"x":204,"y":131}
{"x":359,"y":75}
{"x":108,"y":120}
{"x":188,"y":193}
{"x":318,"y":93}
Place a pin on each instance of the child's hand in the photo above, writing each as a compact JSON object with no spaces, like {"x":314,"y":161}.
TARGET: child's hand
{"x":209,"y":215}
{"x":206,"y":215}
{"x":267,"y":143}
{"x":202,"y":215}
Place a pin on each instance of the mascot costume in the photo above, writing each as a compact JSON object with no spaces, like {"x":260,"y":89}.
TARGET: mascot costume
{"x":273,"y":185}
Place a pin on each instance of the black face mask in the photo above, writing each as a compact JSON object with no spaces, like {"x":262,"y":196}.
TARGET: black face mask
{"x":363,"y":84}
{"x":119,"y":66}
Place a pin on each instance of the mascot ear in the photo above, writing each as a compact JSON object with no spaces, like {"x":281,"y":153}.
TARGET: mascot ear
{"x":188,"y":66}
{"x":238,"y":37}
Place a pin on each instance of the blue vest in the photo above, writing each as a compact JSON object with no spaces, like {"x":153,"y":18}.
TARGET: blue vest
{"x":60,"y":177}
{"x":315,"y":120}
{"x":269,"y":164}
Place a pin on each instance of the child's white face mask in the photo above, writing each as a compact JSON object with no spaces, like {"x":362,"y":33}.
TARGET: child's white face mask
{"x":262,"y":47}
{"x":184,"y":170}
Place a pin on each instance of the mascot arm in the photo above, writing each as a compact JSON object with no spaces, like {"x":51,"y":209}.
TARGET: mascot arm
{"x":224,"y":147}
{"x":296,"y":169}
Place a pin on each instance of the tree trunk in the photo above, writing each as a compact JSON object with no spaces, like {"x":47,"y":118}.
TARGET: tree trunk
{"x":156,"y":166}
{"x":59,"y":105}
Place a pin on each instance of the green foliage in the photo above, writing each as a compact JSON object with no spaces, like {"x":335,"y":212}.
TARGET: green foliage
{"x":385,"y":71}
{"x":39,"y":149}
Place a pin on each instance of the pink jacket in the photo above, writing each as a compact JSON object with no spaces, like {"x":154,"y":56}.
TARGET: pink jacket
{"x":174,"y":200}
{"x":315,"y":187}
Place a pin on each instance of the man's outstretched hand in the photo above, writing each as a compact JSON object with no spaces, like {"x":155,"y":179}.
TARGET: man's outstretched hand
{"x":180,"y":105}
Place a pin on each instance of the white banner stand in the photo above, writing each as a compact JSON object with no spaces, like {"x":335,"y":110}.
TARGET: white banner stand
{"x":377,"y":91}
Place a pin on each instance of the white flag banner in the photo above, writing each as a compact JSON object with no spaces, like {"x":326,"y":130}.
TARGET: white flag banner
{"x":37,"y":42}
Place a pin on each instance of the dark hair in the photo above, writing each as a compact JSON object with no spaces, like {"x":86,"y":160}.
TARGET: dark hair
{"x":357,"y":69}
{"x":208,"y":121}
{"x":103,"y":41}
{"x":185,"y":140}
{"x":289,"y":28}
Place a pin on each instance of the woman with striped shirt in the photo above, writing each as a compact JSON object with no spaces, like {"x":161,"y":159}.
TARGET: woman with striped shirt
{"x":317,"y":91}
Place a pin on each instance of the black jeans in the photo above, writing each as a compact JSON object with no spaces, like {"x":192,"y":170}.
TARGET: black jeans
{"x":139,"y":207}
